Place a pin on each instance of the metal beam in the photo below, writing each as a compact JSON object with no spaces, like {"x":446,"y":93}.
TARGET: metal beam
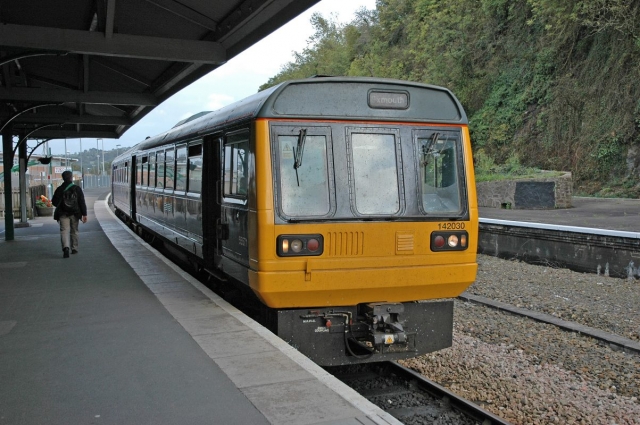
{"x":6,"y":59}
{"x":71,"y":119}
{"x":7,"y":162}
{"x":253,"y":20}
{"x":111,"y":11}
{"x":75,"y":96}
{"x":122,"y":45}
{"x":72,"y":134}
{"x":186,"y":13}
{"x":121,"y":70}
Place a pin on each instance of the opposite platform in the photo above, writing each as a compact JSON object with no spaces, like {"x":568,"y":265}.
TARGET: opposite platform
{"x":596,"y":213}
{"x":118,"y":335}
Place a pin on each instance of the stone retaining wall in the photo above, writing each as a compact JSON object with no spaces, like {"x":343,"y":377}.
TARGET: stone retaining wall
{"x":538,"y":193}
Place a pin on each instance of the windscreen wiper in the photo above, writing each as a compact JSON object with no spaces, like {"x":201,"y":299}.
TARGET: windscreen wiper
{"x":425,"y":152}
{"x":297,"y":153}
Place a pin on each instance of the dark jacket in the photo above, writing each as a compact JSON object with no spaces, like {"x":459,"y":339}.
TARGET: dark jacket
{"x":57,"y":200}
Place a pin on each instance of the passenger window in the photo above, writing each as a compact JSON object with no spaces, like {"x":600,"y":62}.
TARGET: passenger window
{"x":145,"y":171}
{"x":438,"y":155}
{"x":160,"y":170}
{"x":303,"y":171}
{"x":375,"y":171}
{"x":181,"y":168}
{"x":139,"y":173}
{"x":235,"y":166}
{"x":195,"y":168}
{"x":169,"y":169}
{"x":152,"y":170}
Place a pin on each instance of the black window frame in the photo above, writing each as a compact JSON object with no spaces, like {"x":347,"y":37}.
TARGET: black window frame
{"x":194,"y":150}
{"x":230,"y":140}
{"x":379,"y":130}
{"x":159,"y":161}
{"x":417,"y":134}
{"x":170,"y":164}
{"x":312,"y":129}
{"x":145,"y":171}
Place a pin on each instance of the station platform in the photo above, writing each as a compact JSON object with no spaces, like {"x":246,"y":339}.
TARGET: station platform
{"x":117,"y":334}
{"x":595,"y":213}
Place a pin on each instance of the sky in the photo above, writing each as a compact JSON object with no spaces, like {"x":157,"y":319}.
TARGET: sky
{"x":233,"y":81}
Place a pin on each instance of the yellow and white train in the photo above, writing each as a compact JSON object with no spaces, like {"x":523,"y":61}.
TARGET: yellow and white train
{"x":346,"y":205}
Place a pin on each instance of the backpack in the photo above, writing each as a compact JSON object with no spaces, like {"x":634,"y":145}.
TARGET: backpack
{"x":70,"y":200}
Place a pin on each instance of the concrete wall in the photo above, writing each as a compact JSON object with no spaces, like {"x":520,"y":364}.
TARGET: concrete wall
{"x":615,"y":254}
{"x":539,"y":193}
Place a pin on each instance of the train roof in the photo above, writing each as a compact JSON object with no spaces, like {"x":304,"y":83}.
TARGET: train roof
{"x":333,"y":98}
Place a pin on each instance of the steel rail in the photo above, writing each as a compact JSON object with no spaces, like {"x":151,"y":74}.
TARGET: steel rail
{"x":416,"y":383}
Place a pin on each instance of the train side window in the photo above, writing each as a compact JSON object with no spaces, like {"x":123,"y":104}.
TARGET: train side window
{"x":235,"y":168}
{"x":145,"y":171}
{"x":438,"y":157}
{"x":304,"y":190}
{"x":169,"y":168}
{"x":139,"y":173}
{"x":152,"y":170}
{"x":125,"y":170}
{"x":181,"y":168}
{"x":160,"y":170}
{"x":195,"y":168}
{"x":374,"y":166}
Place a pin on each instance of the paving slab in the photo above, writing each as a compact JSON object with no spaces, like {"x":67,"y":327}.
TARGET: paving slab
{"x":118,"y":335}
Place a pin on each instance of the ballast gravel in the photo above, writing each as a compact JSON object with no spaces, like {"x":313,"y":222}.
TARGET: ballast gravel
{"x":528,"y":372}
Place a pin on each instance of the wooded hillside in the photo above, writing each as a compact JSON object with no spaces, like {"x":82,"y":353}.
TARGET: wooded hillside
{"x":553,"y":84}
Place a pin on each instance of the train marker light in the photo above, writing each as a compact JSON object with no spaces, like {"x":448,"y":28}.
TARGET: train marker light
{"x":313,"y":245}
{"x":296,"y":245}
{"x":299,"y":245}
{"x":449,"y":241}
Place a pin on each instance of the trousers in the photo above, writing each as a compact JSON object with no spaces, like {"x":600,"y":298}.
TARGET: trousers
{"x":69,"y":231}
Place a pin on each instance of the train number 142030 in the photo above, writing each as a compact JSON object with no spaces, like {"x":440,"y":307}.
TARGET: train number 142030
{"x":452,"y":225}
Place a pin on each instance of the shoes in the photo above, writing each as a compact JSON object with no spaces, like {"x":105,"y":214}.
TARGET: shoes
{"x":74,"y":251}
{"x":65,"y":253}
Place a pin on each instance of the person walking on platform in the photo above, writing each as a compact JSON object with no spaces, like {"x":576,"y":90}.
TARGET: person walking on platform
{"x":70,"y":209}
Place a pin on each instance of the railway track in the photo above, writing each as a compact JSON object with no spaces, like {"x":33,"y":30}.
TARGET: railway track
{"x":410,"y":397}
{"x":624,"y":344}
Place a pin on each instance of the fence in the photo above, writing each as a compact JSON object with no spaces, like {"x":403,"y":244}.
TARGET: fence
{"x":34,"y":193}
{"x":89,"y":181}
{"x":96,"y":181}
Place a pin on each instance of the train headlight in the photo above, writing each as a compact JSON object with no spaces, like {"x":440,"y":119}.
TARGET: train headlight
{"x":449,"y":241}
{"x":296,"y":246}
{"x":299,"y":245}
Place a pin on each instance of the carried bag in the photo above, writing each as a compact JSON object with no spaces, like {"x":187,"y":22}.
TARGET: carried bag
{"x":69,"y":202}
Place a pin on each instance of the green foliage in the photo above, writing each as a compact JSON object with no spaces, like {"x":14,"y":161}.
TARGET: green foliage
{"x":487,"y":170}
{"x":555,"y":83}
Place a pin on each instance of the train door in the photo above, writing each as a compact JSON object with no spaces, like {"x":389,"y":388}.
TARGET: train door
{"x":212,"y":231}
{"x":234,"y":209}
{"x":132,"y":179}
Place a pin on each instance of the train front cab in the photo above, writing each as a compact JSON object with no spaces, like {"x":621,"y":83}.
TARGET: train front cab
{"x":376,"y":216}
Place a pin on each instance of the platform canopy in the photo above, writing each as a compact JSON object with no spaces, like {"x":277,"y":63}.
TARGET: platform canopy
{"x":93,"y":68}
